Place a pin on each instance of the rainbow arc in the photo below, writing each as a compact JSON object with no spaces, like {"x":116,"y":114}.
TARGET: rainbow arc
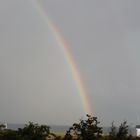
{"x":68,"y":57}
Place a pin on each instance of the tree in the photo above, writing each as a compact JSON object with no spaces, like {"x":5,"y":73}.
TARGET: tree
{"x":123,"y":131}
{"x":34,"y":132}
{"x":112,"y":133}
{"x":2,"y":127}
{"x":85,"y":130}
{"x":2,"y":130}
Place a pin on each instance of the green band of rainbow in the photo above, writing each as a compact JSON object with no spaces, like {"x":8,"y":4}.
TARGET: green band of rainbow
{"x":68,"y":57}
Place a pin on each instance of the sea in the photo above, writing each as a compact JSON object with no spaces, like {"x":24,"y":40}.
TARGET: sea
{"x":64,"y":128}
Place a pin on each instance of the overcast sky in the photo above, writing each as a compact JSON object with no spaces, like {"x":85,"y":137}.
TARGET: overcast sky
{"x":35,"y":81}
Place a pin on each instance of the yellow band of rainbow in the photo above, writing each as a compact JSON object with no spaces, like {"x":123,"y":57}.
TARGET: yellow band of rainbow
{"x":68,"y":57}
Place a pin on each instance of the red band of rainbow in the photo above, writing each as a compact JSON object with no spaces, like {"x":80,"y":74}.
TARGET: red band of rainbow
{"x":68,"y":57}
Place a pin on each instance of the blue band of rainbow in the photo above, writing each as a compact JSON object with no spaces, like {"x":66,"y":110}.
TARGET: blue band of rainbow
{"x":68,"y":57}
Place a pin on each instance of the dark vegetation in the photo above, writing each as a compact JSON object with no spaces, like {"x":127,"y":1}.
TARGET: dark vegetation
{"x":88,"y":129}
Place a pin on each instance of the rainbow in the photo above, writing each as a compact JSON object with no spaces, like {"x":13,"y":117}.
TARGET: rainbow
{"x":68,"y":57}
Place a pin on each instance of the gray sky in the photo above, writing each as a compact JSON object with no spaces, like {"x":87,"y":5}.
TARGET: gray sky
{"x":35,"y":81}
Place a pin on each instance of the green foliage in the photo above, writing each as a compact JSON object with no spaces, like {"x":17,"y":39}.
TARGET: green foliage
{"x":113,"y":132}
{"x":123,"y":131}
{"x":2,"y":127}
{"x":34,"y":132}
{"x":121,"y":134}
{"x":10,"y":135}
{"x":85,"y":130}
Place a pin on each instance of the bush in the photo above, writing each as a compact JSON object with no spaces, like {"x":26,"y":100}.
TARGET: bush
{"x":85,"y":130}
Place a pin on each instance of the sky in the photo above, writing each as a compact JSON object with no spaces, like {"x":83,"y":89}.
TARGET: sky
{"x":36,"y":83}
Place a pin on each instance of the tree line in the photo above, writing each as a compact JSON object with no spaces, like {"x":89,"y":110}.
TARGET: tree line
{"x":87,"y":129}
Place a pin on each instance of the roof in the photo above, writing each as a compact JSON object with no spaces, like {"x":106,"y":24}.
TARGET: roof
{"x":137,"y":126}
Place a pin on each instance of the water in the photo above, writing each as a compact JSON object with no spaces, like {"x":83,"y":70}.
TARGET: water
{"x":59,"y":128}
{"x":15,"y":126}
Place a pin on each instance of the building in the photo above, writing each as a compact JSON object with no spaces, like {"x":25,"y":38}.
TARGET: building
{"x":138,"y":130}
